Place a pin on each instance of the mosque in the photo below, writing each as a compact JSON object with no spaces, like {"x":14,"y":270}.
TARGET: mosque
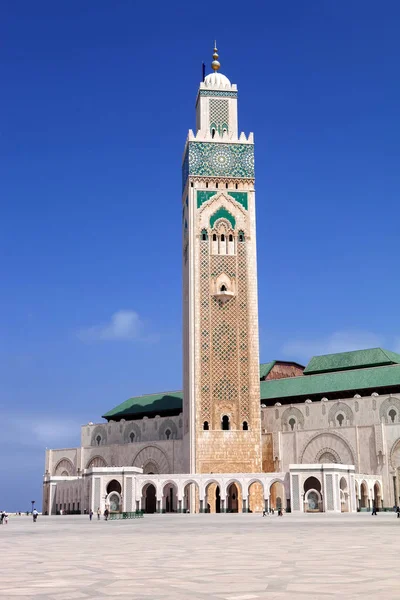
{"x":241,"y":436}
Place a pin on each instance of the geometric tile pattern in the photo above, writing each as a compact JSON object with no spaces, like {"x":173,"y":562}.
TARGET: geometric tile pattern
{"x":219,"y":115}
{"x":218,"y":93}
{"x":210,"y":159}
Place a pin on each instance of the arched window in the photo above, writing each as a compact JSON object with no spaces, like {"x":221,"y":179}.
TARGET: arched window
{"x":241,"y":236}
{"x":204,"y":235}
{"x":292,"y":423}
{"x":340,"y":419}
{"x":207,"y":184}
{"x":392,"y":414}
{"x":205,"y":426}
{"x":214,"y":237}
{"x":223,"y":288}
{"x":226,"y":186}
{"x":222,"y":238}
{"x":98,"y":440}
{"x":230,"y":237}
{"x":225,"y":423}
{"x":236,"y":186}
{"x":212,"y":132}
{"x":245,"y":426}
{"x":216,"y":185}
{"x":131,"y":436}
{"x":167,"y":433}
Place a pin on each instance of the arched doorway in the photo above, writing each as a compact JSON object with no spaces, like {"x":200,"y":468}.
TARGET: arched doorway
{"x":364,"y":495}
{"x":312,"y":495}
{"x":113,"y":501}
{"x":256,"y":497}
{"x":191,"y":497}
{"x":150,"y":498}
{"x":277,"y":496}
{"x":344,"y":495}
{"x":377,"y":496}
{"x":213,"y":498}
{"x":233,"y":498}
{"x":170,"y":492}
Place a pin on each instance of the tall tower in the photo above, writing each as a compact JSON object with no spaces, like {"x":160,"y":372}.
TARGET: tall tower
{"x":221,"y":406}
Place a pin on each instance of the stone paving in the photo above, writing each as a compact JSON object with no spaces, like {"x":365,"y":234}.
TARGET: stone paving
{"x":228,"y":557}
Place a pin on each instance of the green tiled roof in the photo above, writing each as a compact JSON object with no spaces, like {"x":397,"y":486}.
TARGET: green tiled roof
{"x":338,"y":381}
{"x":343,"y":372}
{"x":153,"y":403}
{"x":265,"y":368}
{"x":358,"y":359}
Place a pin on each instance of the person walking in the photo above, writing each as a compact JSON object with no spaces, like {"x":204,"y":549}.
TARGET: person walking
{"x":90,"y":514}
{"x":398,"y":512}
{"x":34,"y":515}
{"x":374,"y":512}
{"x":106,"y":513}
{"x":98,"y":514}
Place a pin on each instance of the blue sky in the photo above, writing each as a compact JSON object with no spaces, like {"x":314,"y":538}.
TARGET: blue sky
{"x":96,"y":101}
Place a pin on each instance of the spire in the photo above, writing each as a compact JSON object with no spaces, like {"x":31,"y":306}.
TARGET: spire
{"x":215,"y":65}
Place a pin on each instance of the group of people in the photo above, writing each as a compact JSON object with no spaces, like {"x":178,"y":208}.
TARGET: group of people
{"x":98,"y":512}
{"x":271,"y":511}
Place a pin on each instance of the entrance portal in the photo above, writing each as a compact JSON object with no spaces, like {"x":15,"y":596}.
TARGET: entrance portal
{"x":150,"y":500}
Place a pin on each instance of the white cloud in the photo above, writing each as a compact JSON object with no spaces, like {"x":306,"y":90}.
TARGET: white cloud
{"x":340,"y":341}
{"x":123,"y":325}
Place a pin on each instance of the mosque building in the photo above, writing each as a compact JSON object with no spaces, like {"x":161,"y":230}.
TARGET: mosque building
{"x":242,"y":436}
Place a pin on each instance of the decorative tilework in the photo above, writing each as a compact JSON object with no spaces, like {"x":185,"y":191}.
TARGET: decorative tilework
{"x":222,"y":213}
{"x":329,"y":492}
{"x":210,"y":159}
{"x":220,"y":93}
{"x":219,"y":115}
{"x":295,"y":492}
{"x":205,"y":195}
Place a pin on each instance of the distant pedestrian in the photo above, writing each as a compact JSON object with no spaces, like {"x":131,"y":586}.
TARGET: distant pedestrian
{"x":398,"y":512}
{"x":106,"y":513}
{"x":98,"y":514}
{"x":280,"y":513}
{"x":34,"y":515}
{"x":2,"y":513}
{"x":90,"y":514}
{"x":5,"y":518}
{"x":374,"y":511}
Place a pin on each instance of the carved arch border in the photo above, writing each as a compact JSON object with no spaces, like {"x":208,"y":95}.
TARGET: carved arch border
{"x":391,"y":402}
{"x":69,"y":464}
{"x":154,"y":453}
{"x":334,"y":434}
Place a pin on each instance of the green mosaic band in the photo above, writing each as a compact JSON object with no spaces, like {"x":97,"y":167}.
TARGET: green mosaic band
{"x":209,"y":159}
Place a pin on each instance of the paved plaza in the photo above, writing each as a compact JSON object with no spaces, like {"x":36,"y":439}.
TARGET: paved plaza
{"x":181,"y":557}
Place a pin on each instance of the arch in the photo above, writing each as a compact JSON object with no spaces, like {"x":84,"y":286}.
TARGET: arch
{"x":222,"y":213}
{"x":395,"y":454}
{"x":292,"y":413}
{"x":245,"y":426}
{"x":212,"y":496}
{"x":340,"y":408}
{"x":114,"y":501}
{"x":64,"y":465}
{"x":132,"y":429}
{"x":312,"y":483}
{"x":377,"y":495}
{"x":190,"y":500}
{"x":114,"y":486}
{"x":99,"y":436}
{"x":312,"y":501}
{"x":96,"y":461}
{"x":149,"y":498}
{"x":228,"y":483}
{"x":154,"y":454}
{"x":327,"y":439}
{"x":364,"y":495}
{"x":327,"y":456}
{"x":168,"y":430}
{"x":170,"y":496}
{"x":225,"y":424}
{"x":150,"y":468}
{"x":232,"y":497}
{"x":390,"y":403}
{"x":206,"y":426}
{"x":277,"y":494}
{"x":255,"y":494}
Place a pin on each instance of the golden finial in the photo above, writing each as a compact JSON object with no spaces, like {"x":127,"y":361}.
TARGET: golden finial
{"x":215,"y":65}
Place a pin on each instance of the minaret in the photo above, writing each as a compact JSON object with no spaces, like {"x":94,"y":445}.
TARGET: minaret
{"x":221,"y":406}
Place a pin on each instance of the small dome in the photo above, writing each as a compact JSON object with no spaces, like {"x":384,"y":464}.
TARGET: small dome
{"x":217,"y":80}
